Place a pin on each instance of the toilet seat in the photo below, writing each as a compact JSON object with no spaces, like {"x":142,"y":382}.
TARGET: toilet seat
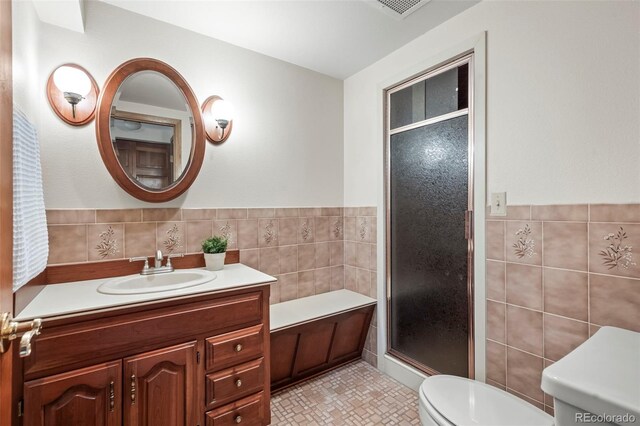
{"x":451,"y":400}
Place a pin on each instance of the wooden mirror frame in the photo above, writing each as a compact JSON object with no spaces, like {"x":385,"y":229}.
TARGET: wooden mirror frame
{"x":103,"y":133}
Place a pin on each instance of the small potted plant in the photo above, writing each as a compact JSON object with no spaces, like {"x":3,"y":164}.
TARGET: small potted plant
{"x":215,"y":250}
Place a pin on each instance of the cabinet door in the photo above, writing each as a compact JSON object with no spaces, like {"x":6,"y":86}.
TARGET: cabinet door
{"x":87,"y":397}
{"x":160,"y":387}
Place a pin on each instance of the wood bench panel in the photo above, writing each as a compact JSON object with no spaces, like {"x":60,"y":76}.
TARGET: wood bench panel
{"x":302,"y":351}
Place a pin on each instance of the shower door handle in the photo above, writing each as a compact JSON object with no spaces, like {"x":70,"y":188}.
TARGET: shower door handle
{"x":468,"y":224}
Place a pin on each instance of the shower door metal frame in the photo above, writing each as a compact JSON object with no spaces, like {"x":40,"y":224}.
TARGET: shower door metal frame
{"x":464,"y":58}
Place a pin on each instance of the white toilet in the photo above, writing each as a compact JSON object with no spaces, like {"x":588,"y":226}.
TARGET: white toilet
{"x":600,"y":377}
{"x":451,"y":400}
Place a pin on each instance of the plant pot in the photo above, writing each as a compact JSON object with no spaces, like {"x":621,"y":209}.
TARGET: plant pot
{"x":214,"y":261}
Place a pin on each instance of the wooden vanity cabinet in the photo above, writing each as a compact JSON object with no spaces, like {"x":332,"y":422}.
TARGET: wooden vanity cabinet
{"x":89,"y":396}
{"x":211,"y":367}
{"x":160,"y":387}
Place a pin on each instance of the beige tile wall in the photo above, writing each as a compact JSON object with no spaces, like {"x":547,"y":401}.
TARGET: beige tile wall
{"x":305,"y":248}
{"x":555,"y":274}
{"x":360,"y":233}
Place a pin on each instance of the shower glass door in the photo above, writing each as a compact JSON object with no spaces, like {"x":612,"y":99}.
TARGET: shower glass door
{"x":429,"y":235}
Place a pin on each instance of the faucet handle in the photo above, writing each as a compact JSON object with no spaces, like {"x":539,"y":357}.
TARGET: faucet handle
{"x":169,"y":257}
{"x":146,"y":261}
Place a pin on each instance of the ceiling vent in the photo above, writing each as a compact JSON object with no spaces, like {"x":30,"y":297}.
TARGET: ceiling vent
{"x":398,"y":8}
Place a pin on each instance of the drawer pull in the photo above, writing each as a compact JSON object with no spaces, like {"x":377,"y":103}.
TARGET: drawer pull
{"x":238,"y":383}
{"x":112,"y":396}
{"x":238,"y":347}
{"x":238,"y":418}
{"x":133,"y":389}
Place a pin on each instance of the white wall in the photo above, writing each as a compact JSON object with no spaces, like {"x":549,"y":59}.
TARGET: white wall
{"x":563,"y":101}
{"x":25,"y":58}
{"x":286,"y":147}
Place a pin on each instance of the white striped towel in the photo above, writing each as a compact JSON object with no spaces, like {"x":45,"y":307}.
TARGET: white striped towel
{"x":30,"y":236}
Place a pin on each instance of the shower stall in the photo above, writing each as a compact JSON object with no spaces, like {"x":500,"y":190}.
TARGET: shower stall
{"x":429,"y":218}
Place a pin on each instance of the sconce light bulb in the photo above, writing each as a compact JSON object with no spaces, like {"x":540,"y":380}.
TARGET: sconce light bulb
{"x":72,"y":80}
{"x":222,"y":112}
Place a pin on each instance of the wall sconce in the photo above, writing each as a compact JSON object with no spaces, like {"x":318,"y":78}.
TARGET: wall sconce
{"x":218,"y":119}
{"x":73,"y":94}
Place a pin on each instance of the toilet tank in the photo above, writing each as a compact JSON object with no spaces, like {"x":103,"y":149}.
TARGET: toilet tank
{"x":598,"y":383}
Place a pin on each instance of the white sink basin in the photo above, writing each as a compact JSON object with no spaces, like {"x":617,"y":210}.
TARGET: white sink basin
{"x":136,"y":284}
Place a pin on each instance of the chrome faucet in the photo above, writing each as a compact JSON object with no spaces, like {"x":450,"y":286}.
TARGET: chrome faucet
{"x":157,"y":265}
{"x":158,"y":262}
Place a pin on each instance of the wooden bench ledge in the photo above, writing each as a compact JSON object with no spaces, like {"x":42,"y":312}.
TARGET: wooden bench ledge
{"x":307,"y":309}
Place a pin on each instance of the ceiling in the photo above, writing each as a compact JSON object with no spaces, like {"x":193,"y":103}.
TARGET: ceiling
{"x":333,"y":37}
{"x":152,"y":88}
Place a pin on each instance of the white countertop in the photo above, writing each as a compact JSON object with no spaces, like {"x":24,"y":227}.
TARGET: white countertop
{"x":306,"y":309}
{"x":81,"y":296}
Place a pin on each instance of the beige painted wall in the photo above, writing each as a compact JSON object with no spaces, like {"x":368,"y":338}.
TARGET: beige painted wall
{"x":25,"y":58}
{"x":286,"y":146}
{"x":563,"y":101}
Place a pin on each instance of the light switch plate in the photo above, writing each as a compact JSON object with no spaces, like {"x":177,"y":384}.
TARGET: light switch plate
{"x":498,"y":204}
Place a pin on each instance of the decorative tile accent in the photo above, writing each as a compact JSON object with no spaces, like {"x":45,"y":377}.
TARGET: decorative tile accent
{"x":522,"y":240}
{"x":270,"y":234}
{"x":105,"y":241}
{"x":108,"y":245}
{"x":617,"y":254}
{"x":354,"y":395}
{"x":173,"y":241}
{"x":225,"y":231}
{"x":337,"y":228}
{"x":524,"y":246}
{"x":305,"y":231}
{"x":364,"y":229}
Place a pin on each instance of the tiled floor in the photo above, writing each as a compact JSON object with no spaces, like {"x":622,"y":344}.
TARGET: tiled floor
{"x":356,"y":395}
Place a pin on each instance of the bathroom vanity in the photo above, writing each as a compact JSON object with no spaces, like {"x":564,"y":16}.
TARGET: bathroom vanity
{"x":193,"y":356}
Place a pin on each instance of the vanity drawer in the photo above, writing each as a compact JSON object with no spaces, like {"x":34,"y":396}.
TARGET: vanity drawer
{"x":64,"y":347}
{"x":235,"y":382}
{"x":248,"y":411}
{"x":235,"y":347}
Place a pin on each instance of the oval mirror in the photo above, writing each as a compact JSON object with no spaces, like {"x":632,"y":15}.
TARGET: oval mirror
{"x":150,"y":130}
